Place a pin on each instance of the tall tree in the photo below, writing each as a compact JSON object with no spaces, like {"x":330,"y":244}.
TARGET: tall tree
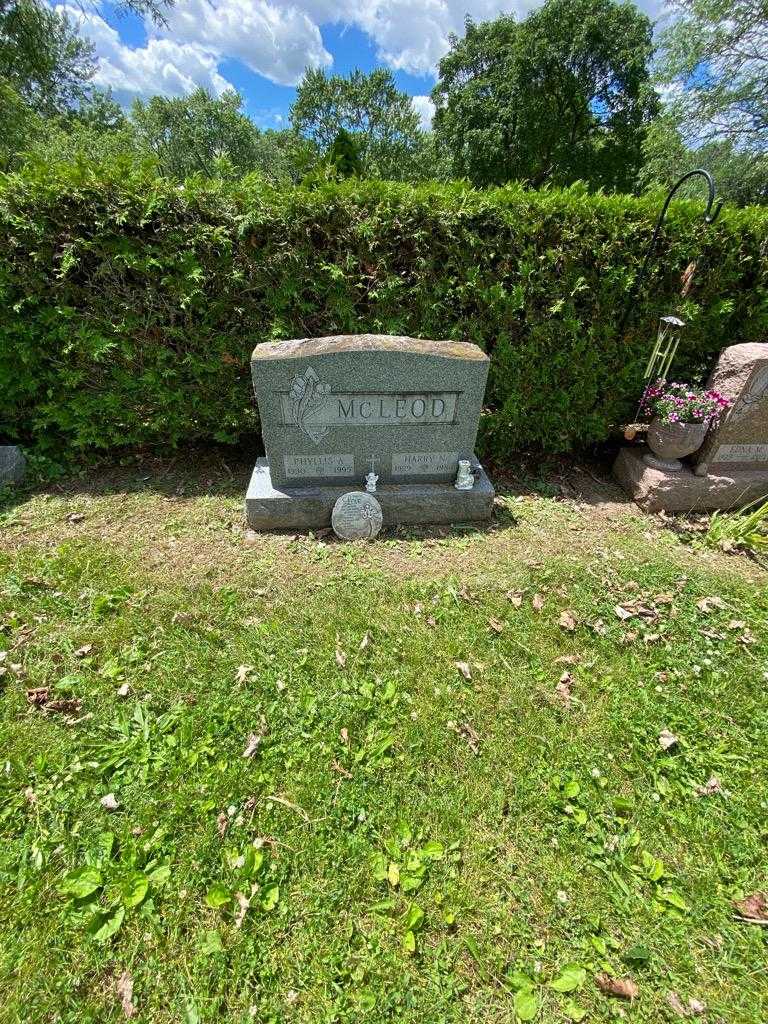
{"x":560,"y":96}
{"x":741,"y":175}
{"x":196,"y":134}
{"x":715,"y":58}
{"x":344,"y":156}
{"x":42,"y":58}
{"x":381,"y":118}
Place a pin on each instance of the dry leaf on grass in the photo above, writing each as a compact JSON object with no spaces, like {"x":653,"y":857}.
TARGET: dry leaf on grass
{"x":563,"y":690}
{"x":712,"y":787}
{"x":567,"y":620}
{"x":364,"y":643}
{"x":341,"y":658}
{"x":753,"y":909}
{"x":667,"y":739}
{"x":465,"y":670}
{"x":621,"y":988}
{"x":708,"y":604}
{"x":254,"y":739}
{"x":125,"y":992}
{"x":124,"y":690}
{"x":222,"y":823}
{"x":344,"y":735}
{"x":515,"y":598}
{"x":676,"y":1004}
{"x":736,"y":624}
{"x":109,"y":802}
{"x":40,"y":698}
{"x":81,"y":652}
{"x":567,"y":659}
{"x":242,"y":908}
{"x":623,"y":613}
{"x":538,"y":602}
{"x":470,"y":735}
{"x":341,"y":769}
{"x":693,"y":1008}
{"x":495,"y":625}
{"x":241,"y":676}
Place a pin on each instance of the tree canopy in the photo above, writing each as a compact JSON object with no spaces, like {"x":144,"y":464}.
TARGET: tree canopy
{"x":715,"y":60}
{"x":741,"y":176}
{"x":380,"y":117}
{"x":560,"y":96}
{"x":564,"y":94}
{"x":42,"y":58}
{"x":344,"y":155}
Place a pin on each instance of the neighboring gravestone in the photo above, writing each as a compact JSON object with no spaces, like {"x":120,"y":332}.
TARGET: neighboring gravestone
{"x":12,"y":464}
{"x":397,"y":413}
{"x":731,"y":468}
{"x":740,"y":441}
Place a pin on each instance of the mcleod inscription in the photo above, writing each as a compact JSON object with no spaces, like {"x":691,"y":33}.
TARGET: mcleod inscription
{"x":348,"y":409}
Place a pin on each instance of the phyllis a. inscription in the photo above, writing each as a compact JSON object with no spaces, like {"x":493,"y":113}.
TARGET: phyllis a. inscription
{"x":323,"y":465}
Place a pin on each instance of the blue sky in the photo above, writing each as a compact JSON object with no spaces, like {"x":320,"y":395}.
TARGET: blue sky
{"x":261,"y":47}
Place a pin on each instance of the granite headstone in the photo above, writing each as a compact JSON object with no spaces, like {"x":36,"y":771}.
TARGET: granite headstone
{"x":339,"y":410}
{"x":12,"y":464}
{"x":740,"y":441}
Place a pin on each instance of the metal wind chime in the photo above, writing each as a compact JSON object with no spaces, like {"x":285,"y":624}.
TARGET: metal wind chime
{"x":670,"y":327}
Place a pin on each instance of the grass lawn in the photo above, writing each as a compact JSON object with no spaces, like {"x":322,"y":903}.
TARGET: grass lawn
{"x":448,"y":776}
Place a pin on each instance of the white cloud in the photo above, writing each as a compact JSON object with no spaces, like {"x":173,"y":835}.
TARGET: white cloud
{"x":425,"y":108}
{"x":276,"y":41}
{"x":162,"y":66}
{"x":412,"y":35}
{"x":280,"y":39}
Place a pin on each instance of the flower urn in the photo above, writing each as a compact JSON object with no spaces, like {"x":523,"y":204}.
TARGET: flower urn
{"x":670,"y":442}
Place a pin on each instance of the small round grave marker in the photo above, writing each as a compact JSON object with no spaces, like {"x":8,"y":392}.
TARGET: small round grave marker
{"x":356,"y":515}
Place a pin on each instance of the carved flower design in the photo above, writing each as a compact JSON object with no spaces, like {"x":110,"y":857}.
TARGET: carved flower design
{"x":309,"y":396}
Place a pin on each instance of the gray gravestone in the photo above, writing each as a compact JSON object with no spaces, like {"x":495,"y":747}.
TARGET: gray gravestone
{"x":12,"y":464}
{"x":336,"y":410}
{"x":740,"y":441}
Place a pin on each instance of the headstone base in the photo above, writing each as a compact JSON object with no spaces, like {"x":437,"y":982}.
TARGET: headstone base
{"x":655,"y":490}
{"x":309,"y":508}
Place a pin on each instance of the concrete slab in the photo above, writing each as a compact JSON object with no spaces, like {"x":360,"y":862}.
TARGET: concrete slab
{"x":655,"y":490}
{"x":309,"y":508}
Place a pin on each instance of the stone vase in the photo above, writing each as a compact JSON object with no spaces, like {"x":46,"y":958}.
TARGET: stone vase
{"x":669,"y":442}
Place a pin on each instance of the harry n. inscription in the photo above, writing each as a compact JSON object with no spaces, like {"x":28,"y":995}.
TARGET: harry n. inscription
{"x":419,"y":463}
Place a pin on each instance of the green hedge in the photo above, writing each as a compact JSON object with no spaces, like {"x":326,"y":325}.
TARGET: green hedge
{"x":129,"y":306}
